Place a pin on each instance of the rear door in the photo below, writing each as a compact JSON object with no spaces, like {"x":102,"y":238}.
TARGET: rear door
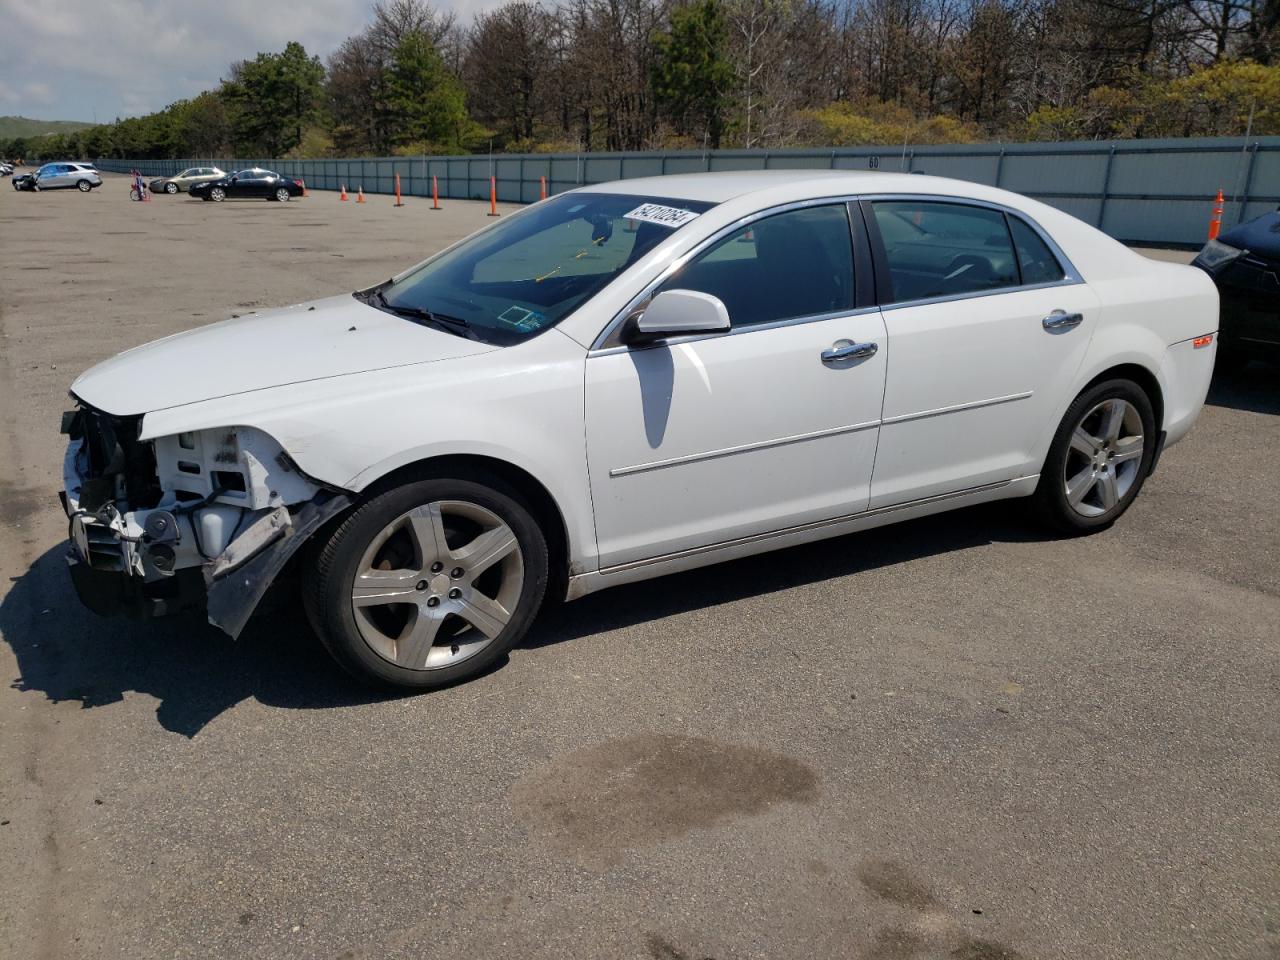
{"x":987,"y":324}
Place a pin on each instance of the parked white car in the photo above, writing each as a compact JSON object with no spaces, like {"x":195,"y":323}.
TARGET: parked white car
{"x":624,"y":381}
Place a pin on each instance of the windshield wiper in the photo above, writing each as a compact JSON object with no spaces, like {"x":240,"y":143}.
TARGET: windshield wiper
{"x":440,"y":321}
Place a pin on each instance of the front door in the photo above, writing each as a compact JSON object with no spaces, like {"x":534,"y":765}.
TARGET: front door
{"x":713,"y":438}
{"x":987,"y":327}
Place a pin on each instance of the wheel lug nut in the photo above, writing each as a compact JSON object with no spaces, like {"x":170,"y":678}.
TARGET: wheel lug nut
{"x":433,"y":601}
{"x":437,"y":567}
{"x":456,"y":572}
{"x":455,"y":593}
{"x":420,"y":585}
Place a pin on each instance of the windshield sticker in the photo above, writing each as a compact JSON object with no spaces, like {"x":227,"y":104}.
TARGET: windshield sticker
{"x":664,"y":216}
{"x":518,"y":318}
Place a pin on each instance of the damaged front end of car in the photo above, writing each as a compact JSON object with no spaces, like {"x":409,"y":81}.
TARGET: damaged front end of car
{"x":200,"y":520}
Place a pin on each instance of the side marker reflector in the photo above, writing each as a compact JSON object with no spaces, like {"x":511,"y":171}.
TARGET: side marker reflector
{"x":1204,"y":341}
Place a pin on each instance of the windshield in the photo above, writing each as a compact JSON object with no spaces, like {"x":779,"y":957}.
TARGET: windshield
{"x":530,"y":272}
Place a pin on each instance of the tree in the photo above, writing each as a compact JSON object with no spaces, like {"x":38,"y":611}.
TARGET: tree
{"x":508,"y":70}
{"x":271,"y":98}
{"x":693,"y":75}
{"x":424,"y":102}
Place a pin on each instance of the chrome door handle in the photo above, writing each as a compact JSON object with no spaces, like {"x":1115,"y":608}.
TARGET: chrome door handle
{"x":848,"y":350}
{"x":1061,"y":320}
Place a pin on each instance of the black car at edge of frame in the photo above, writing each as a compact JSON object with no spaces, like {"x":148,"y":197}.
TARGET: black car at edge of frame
{"x":1244,"y":263}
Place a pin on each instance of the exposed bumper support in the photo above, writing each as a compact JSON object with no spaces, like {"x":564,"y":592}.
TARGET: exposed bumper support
{"x":233,"y":594}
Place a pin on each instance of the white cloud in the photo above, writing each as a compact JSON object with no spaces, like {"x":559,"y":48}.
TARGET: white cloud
{"x":82,"y":59}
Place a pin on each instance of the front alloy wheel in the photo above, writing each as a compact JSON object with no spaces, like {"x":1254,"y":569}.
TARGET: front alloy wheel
{"x":217,"y":194}
{"x":171,"y":188}
{"x":428,"y":583}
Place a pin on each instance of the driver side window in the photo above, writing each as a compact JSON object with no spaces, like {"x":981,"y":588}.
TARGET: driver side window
{"x":789,"y":265}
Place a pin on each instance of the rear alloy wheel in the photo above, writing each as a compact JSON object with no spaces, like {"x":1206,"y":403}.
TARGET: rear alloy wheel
{"x":171,"y":188}
{"x":282,"y":195}
{"x":1099,"y":459}
{"x":428,"y":583}
{"x":84,"y":186}
{"x":217,"y":194}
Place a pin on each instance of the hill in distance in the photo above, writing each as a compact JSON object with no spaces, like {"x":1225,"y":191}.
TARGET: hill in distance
{"x":11,"y":127}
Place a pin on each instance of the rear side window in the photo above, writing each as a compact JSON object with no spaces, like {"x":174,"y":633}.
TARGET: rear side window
{"x":1035,"y":259}
{"x":938,"y":249}
{"x":794,"y":264}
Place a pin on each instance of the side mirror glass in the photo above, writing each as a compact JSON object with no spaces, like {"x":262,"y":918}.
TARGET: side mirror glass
{"x":677,"y":313}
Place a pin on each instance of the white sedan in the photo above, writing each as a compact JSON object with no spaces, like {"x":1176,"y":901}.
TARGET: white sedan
{"x":625,"y":381}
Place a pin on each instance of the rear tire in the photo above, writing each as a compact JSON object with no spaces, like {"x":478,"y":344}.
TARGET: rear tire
{"x":282,"y":195}
{"x":1099,"y":458}
{"x":84,"y":186}
{"x":428,"y":583}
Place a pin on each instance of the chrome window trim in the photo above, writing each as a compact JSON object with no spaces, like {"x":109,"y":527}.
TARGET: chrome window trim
{"x":974,"y":294}
{"x":601,"y":346}
{"x":732,"y":332}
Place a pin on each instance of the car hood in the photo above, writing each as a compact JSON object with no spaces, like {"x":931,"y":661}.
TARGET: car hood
{"x":309,"y":341}
{"x":1260,"y":236}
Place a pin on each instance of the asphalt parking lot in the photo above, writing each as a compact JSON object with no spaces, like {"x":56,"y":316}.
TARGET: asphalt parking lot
{"x":955,"y":737}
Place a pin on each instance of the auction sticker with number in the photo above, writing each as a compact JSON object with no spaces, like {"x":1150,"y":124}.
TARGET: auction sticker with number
{"x":666,"y":216}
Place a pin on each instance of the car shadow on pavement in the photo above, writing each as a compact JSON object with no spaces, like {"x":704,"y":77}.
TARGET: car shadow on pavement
{"x":196,"y":673}
{"x":1255,"y":388}
{"x":999,"y":522}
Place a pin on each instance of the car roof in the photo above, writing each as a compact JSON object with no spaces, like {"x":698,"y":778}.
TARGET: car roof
{"x":1260,"y":235}
{"x":719,"y":186}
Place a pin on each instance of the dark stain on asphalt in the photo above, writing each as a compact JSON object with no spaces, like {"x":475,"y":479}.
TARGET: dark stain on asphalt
{"x":660,"y":948}
{"x":934,"y":933}
{"x":974,"y":949}
{"x":891,"y":881}
{"x":651,"y":787}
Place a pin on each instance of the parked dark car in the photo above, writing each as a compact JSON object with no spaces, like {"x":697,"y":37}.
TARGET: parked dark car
{"x":1245,"y":264}
{"x":255,"y":183}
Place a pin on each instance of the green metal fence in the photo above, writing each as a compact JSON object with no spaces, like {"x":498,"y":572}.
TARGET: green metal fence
{"x":1152,"y":191}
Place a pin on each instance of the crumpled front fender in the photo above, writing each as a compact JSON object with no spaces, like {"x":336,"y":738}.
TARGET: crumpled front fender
{"x":233,"y":593}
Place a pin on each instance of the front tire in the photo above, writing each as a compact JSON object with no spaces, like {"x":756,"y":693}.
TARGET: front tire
{"x":217,"y":195}
{"x":1099,"y":458}
{"x":171,"y":188}
{"x":428,"y":583}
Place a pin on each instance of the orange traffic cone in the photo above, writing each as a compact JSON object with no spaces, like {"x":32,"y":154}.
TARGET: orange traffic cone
{"x":304,"y":188}
{"x":1215,"y":222}
{"x":343,"y":195}
{"x":360,"y":194}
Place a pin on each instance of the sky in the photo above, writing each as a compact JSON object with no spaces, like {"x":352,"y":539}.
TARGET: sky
{"x":102,"y":59}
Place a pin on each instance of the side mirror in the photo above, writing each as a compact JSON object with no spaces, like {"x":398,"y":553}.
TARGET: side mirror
{"x":676,"y":313}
